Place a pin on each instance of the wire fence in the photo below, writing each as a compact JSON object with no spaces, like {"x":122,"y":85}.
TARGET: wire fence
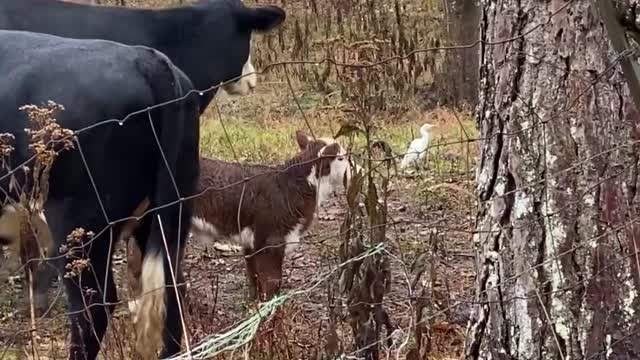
{"x":425,"y":261}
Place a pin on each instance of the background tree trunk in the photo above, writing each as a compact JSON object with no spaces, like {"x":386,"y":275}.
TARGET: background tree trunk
{"x":468,"y":16}
{"x":557,"y":231}
{"x":456,"y":85}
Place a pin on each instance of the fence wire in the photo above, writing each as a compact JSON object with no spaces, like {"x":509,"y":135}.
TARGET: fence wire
{"x":234,"y":338}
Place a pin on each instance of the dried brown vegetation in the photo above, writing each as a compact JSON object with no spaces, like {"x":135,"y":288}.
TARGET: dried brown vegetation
{"x":322,"y":35}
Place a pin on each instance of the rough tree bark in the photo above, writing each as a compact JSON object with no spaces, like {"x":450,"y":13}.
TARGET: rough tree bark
{"x":557,"y":232}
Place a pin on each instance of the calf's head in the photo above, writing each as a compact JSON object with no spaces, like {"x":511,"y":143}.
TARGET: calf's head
{"x":230,"y":24}
{"x":331,"y":167}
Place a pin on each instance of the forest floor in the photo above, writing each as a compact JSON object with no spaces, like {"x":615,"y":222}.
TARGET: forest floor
{"x":423,"y":219}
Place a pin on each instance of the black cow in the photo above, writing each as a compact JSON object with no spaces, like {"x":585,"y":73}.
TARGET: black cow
{"x":209,"y":40}
{"x":114,"y":166}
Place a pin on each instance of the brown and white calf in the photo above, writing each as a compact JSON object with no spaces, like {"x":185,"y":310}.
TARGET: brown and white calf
{"x":269,"y":211}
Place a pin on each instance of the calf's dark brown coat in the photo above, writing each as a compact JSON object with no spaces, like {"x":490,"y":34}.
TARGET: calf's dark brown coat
{"x":267,"y":209}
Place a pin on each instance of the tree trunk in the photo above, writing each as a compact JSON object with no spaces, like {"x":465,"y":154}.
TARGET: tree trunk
{"x":456,"y":84}
{"x":463,"y":66}
{"x":557,"y":233}
{"x":467,"y":33}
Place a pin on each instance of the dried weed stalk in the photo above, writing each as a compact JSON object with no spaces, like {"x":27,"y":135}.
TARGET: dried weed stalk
{"x":366,"y":282}
{"x":362,"y":32}
{"x":46,"y":140}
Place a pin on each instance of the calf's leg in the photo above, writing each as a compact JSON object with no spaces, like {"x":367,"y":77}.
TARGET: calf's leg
{"x":264,"y":269}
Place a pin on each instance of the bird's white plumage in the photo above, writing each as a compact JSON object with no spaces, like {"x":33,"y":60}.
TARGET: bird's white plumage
{"x":417,"y":148}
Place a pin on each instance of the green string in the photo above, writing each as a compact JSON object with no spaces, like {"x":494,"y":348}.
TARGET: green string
{"x":244,"y":332}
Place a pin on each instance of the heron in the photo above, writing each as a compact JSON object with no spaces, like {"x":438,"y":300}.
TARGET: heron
{"x":417,"y":147}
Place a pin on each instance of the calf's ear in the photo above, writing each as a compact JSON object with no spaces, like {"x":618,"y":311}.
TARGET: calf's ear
{"x":302,"y":139}
{"x":263,"y":18}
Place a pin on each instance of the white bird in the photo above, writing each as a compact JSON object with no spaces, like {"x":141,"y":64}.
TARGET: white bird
{"x":417,"y":148}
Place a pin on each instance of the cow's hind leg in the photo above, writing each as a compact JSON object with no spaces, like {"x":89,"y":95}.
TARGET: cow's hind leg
{"x":88,"y":289}
{"x":90,"y":304}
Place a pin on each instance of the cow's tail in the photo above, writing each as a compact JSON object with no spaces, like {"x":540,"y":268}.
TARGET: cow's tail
{"x":164,"y":245}
{"x":150,"y":309}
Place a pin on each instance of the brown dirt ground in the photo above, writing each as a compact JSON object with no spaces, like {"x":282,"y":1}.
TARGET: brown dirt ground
{"x":218,"y":287}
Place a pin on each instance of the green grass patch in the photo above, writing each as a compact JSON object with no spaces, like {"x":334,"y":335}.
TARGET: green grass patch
{"x":260,"y":128}
{"x":275,"y":141}
{"x":252,"y":141}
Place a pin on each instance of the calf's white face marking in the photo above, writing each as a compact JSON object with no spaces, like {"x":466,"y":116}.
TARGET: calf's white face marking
{"x":246,"y":83}
{"x":339,"y":171}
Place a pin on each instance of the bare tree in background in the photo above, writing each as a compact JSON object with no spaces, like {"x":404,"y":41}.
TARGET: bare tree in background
{"x":466,"y":18}
{"x":457,"y":83}
{"x":557,"y":232}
